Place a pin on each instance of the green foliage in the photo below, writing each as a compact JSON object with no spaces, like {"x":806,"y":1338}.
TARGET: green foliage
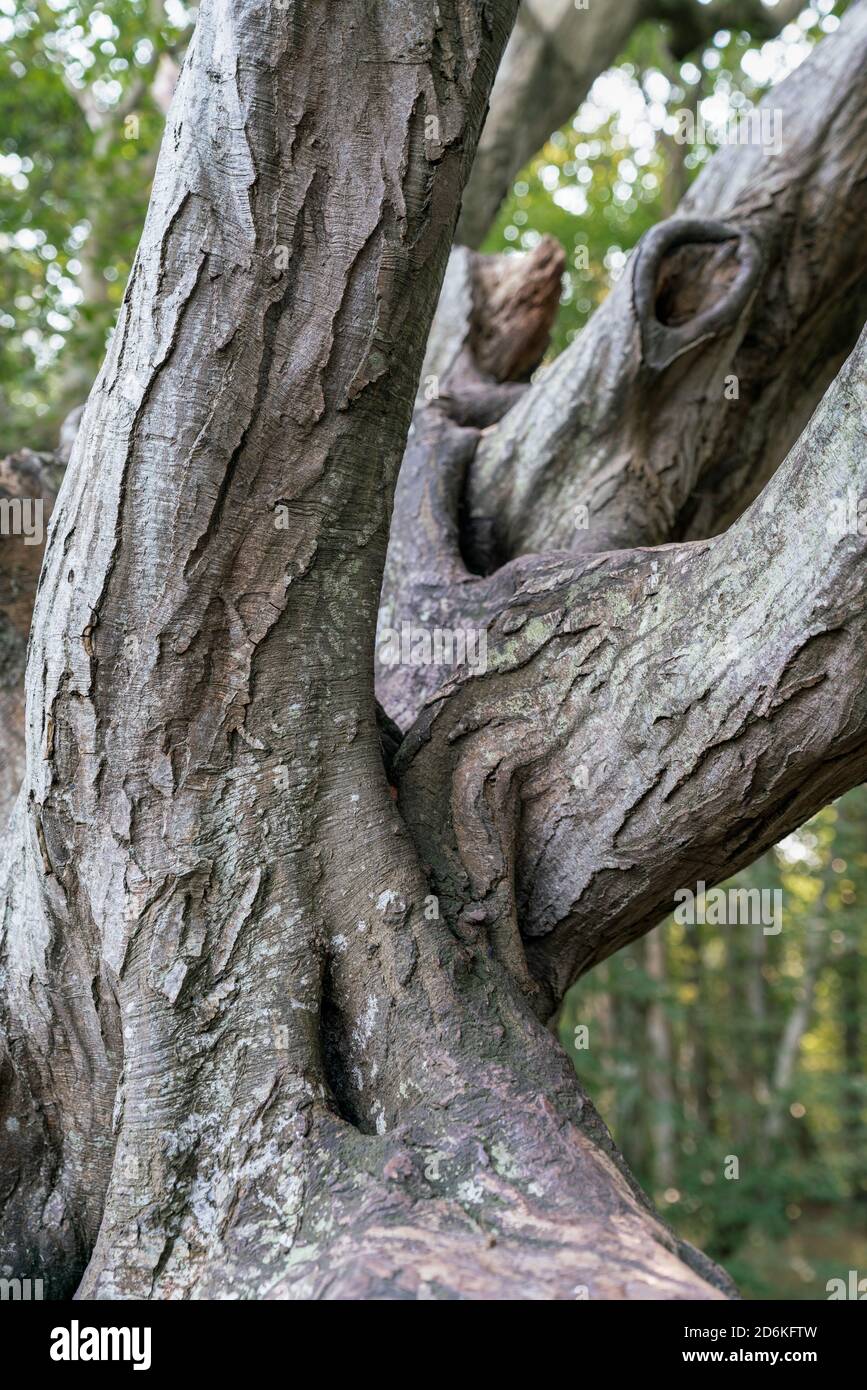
{"x":727,"y":995}
{"x":79,"y":133}
{"x":613,"y":171}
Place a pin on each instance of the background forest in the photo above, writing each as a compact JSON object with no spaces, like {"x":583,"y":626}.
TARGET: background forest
{"x":699,"y":1044}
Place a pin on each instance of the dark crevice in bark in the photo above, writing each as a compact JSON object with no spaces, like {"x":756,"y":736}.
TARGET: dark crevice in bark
{"x":682,"y":305}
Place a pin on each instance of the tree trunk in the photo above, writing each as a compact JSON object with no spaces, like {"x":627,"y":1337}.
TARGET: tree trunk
{"x":27,"y":480}
{"x":796,"y":1025}
{"x":270,"y":1032}
{"x":245,"y":1055}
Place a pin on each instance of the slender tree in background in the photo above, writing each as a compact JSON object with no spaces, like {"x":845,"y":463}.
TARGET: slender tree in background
{"x":556,"y":51}
{"x":277,"y":966}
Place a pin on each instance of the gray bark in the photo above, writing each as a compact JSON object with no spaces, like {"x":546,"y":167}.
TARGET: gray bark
{"x":267,"y":1032}
{"x":241,"y":1056}
{"x":27,"y":480}
{"x":635,"y":422}
{"x":622,"y":744}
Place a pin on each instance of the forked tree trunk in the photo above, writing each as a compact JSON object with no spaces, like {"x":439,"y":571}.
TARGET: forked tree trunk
{"x":269,"y":1033}
{"x":245,"y":1056}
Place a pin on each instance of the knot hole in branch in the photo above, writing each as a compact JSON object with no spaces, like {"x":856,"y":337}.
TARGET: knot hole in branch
{"x":692,"y":280}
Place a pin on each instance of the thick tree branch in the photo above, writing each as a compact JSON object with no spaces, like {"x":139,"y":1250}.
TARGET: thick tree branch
{"x":552,"y":59}
{"x":652,"y":717}
{"x":667,"y":414}
{"x":691,"y":25}
{"x":490,"y":330}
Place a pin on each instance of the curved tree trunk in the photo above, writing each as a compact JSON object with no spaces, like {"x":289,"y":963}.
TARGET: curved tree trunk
{"x":269,"y":1032}
{"x":245,"y":1054}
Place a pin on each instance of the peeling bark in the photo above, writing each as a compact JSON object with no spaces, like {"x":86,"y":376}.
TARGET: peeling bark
{"x":27,"y":480}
